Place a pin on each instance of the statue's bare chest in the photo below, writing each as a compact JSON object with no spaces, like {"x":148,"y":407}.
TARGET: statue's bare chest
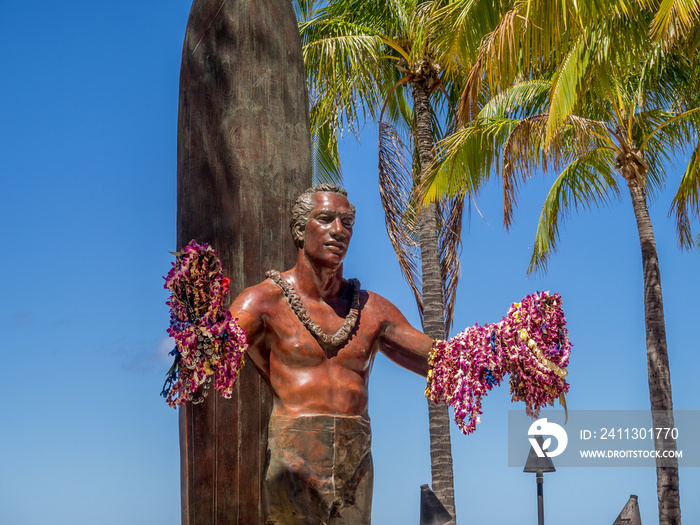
{"x":294,"y":345}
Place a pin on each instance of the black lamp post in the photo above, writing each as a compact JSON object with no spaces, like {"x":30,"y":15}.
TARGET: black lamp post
{"x":539,"y":465}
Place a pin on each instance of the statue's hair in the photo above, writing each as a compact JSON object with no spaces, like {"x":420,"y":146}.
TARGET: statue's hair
{"x":304,"y":205}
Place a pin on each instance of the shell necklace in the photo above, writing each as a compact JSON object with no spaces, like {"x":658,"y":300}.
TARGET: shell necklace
{"x":331,"y":342}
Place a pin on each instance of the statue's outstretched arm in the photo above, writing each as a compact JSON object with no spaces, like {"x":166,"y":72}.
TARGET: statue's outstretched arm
{"x":401,"y":342}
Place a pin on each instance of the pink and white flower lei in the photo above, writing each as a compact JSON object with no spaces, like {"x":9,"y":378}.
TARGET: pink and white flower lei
{"x":208,"y":342}
{"x":530,"y":343}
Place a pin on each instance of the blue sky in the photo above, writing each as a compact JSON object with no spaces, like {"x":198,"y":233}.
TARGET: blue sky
{"x":88,"y":112}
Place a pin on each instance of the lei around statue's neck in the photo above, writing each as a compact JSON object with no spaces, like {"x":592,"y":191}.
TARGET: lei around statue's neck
{"x":330,"y":343}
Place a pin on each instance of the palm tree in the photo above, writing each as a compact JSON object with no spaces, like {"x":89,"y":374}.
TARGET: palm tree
{"x":388,"y":61}
{"x":612,"y":107}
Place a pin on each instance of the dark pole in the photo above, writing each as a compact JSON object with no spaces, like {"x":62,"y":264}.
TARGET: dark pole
{"x":540,"y":498}
{"x":539,"y":465}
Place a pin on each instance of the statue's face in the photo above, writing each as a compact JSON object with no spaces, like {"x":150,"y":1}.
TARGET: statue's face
{"x":329,"y":229}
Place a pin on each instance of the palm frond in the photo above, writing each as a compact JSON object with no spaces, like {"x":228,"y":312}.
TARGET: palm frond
{"x":686,"y":202}
{"x":458,"y":27}
{"x":566,"y":84}
{"x":387,"y":16}
{"x":673,"y":127}
{"x":397,"y":111}
{"x":674,"y":18}
{"x":522,"y":152}
{"x":395,"y":185}
{"x":346,"y":52}
{"x":664,"y":135}
{"x":654,"y":176}
{"x":586,"y":182}
{"x":343,"y":70}
{"x":325,"y":161}
{"x":520,"y":100}
{"x":530,"y":40}
{"x":503,"y":38}
{"x":303,"y":9}
{"x":465,"y":159}
{"x":527,"y":149}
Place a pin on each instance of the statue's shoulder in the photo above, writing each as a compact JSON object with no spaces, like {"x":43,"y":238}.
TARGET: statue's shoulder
{"x":376,"y":304}
{"x":259,"y":298}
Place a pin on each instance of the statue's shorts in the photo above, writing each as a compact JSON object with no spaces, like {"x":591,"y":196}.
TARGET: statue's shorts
{"x":319,"y":471}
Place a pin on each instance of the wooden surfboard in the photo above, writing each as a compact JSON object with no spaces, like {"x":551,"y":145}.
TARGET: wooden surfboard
{"x":243,"y":157}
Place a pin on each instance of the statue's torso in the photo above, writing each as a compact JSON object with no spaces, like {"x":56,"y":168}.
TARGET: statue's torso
{"x":305,"y":378}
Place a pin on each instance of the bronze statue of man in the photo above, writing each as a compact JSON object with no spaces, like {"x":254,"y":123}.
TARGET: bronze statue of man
{"x":313,"y":336}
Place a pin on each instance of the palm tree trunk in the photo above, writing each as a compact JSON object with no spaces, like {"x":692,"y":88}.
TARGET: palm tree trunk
{"x":433,"y":308}
{"x":657,"y":363}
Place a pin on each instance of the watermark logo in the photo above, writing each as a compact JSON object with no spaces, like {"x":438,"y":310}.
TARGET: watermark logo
{"x":605,"y":438}
{"x":543,"y":428}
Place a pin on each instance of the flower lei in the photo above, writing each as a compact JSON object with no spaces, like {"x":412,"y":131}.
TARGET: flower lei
{"x":531,"y":343}
{"x":208,"y":342}
{"x":328,"y":342}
